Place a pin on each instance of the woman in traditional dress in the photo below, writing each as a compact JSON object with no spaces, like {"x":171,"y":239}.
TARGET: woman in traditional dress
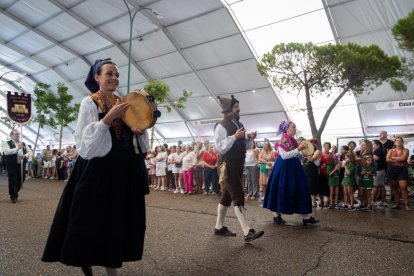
{"x":287,"y":190}
{"x":100,"y":219}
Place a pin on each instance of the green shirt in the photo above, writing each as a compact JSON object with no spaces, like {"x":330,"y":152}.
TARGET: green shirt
{"x":349,"y":179}
{"x":333,"y":179}
{"x":367,"y":180}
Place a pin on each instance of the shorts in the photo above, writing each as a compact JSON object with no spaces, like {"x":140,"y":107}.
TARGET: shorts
{"x":47,"y":164}
{"x":396,"y":173}
{"x":379,"y":179}
{"x":160,"y":171}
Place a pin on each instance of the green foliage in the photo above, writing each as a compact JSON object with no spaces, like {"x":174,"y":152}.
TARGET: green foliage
{"x":160,"y":91}
{"x":403,"y":32}
{"x":43,"y":101}
{"x":313,"y":69}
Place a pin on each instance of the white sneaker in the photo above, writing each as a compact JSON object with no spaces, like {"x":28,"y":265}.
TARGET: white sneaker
{"x":162,"y":188}
{"x":176,"y":191}
{"x":66,"y":180}
{"x":182,"y":191}
{"x":45,"y":177}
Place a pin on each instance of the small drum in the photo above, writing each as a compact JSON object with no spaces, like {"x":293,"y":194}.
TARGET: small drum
{"x":142,"y":112}
{"x":309,"y":150}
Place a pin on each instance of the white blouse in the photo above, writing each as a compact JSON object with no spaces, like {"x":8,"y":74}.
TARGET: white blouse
{"x":92,"y":136}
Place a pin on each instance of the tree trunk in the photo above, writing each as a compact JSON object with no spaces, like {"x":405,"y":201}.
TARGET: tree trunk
{"x":37,"y":138}
{"x":152,"y":137}
{"x":328,"y":113}
{"x":311,"y":117}
{"x":60,"y":137}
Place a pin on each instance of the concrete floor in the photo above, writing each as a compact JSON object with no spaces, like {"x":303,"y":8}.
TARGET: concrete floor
{"x":180,"y":240}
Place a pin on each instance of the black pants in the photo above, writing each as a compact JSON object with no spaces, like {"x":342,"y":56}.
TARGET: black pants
{"x":233,"y":188}
{"x":14,"y":177}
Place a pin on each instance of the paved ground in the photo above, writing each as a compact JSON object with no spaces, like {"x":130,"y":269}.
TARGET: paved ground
{"x":179,"y":239}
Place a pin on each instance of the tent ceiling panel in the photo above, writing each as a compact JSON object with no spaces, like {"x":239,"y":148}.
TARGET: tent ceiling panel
{"x":87,"y":42}
{"x":168,"y":117}
{"x":34,"y":12}
{"x":173,"y":130}
{"x":10,"y":28}
{"x":179,"y":10}
{"x":385,"y":93}
{"x":29,"y":65}
{"x":282,"y":32}
{"x":202,"y":108}
{"x":73,"y":70}
{"x":152,"y":45}
{"x":234,"y":77}
{"x":31,"y":42}
{"x":376,"y":116}
{"x":371,"y":24}
{"x":97,"y":12}
{"x":284,"y":10}
{"x":359,"y":17}
{"x":186,"y":81}
{"x":218,"y":52}
{"x":110,"y":52}
{"x":62,"y":27}
{"x":49,"y":77}
{"x":350,"y":126}
{"x":8,"y":55}
{"x":79,"y":90}
{"x":55,"y":55}
{"x":261,"y":101}
{"x":165,"y":66}
{"x":210,"y":26}
{"x":265,"y":123}
{"x":119,"y":29}
{"x":136,"y":76}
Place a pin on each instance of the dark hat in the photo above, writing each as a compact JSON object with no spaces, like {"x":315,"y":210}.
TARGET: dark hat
{"x":90,"y":81}
{"x":227,"y":104}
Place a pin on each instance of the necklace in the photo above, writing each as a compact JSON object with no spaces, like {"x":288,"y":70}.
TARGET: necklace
{"x":109,"y":101}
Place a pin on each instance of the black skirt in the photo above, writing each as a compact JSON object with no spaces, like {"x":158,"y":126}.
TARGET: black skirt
{"x":100,"y":219}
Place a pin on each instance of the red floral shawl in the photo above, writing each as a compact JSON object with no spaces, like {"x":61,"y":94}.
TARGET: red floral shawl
{"x":287,"y":143}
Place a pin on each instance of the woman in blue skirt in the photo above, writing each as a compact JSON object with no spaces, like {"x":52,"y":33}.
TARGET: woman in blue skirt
{"x":287,"y":190}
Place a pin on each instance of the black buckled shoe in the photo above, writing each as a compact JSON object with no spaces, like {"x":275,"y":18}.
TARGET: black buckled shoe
{"x":310,"y":220}
{"x":224,"y":231}
{"x":253,"y":235}
{"x":87,"y":271}
{"x":279,"y":220}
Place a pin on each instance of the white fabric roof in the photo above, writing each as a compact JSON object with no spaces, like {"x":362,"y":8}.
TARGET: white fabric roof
{"x":209,"y":47}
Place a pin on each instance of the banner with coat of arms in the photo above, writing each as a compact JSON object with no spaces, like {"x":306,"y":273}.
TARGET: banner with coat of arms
{"x":19,"y":107}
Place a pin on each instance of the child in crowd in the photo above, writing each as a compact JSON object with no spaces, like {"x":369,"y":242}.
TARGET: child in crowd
{"x":333,"y":169}
{"x":178,"y":170}
{"x":160,"y":168}
{"x":367,"y":173}
{"x":349,"y":180}
{"x":151,"y":164}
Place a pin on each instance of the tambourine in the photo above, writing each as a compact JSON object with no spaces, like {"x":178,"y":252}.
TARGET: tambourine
{"x":309,"y":150}
{"x":142,"y":112}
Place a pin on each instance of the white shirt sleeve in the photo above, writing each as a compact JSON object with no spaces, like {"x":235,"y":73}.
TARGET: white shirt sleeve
{"x":143,"y":143}
{"x":92,"y":136}
{"x":7,"y":150}
{"x":222,"y":141}
{"x":288,"y":154}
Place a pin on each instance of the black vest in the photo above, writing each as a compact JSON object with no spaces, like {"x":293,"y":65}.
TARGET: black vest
{"x":11,"y":158}
{"x":238,"y":151}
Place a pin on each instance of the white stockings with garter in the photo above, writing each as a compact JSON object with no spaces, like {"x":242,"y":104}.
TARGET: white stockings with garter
{"x":221,"y":214}
{"x":241,"y":215}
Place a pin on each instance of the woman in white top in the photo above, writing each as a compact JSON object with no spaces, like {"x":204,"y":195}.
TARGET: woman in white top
{"x":252,"y":170}
{"x":170,"y":168}
{"x":160,"y":168}
{"x":178,"y":170}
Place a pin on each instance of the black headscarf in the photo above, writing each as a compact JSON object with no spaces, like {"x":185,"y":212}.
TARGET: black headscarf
{"x":90,"y":81}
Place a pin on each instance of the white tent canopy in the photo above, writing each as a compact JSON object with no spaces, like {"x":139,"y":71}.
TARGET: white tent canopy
{"x":209,"y":47}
